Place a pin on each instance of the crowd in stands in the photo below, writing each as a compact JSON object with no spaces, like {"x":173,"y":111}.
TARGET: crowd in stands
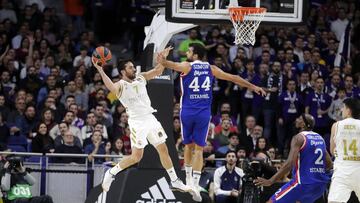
{"x":53,"y":100}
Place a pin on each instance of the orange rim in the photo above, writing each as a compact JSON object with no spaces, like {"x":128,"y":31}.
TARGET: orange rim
{"x":238,"y":13}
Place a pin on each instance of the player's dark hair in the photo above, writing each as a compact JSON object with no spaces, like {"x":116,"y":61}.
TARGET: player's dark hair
{"x":309,"y":121}
{"x":354,"y":106}
{"x":198,"y":49}
{"x":122,"y":64}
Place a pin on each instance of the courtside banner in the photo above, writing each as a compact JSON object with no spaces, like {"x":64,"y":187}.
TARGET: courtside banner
{"x":140,"y":186}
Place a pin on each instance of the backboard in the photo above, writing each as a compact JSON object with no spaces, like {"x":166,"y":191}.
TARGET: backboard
{"x":215,"y":11}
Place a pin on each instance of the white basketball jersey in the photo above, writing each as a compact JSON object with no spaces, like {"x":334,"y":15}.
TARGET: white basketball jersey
{"x":135,"y":98}
{"x":347,"y":140}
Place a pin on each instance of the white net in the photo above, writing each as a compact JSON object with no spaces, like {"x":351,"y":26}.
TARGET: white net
{"x":246,"y":21}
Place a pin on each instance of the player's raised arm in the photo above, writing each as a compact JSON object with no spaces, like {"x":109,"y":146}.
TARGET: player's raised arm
{"x":115,"y":88}
{"x":183,"y":67}
{"x":332,"y":138}
{"x":218,"y":73}
{"x":296,"y":143}
{"x":159,"y":68}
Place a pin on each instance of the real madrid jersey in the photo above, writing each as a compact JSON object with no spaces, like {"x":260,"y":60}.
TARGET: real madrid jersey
{"x":135,"y":98}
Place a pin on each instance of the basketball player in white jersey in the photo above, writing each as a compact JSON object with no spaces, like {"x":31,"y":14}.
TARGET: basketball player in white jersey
{"x":345,"y":146}
{"x":132,"y":93}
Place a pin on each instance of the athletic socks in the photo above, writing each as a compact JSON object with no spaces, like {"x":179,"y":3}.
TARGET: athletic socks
{"x":172,"y":174}
{"x":188,"y":171}
{"x":196,"y":177}
{"x":115,"y":170}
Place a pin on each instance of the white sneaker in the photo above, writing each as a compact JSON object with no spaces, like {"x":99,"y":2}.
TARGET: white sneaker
{"x":195,"y":192}
{"x":179,"y":186}
{"x":108,"y":179}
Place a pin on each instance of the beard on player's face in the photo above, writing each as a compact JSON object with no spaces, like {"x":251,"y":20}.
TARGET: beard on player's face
{"x":129,"y":73}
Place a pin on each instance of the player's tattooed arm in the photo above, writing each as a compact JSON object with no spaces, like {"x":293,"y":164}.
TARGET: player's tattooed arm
{"x":115,"y":88}
{"x":296,"y":144}
{"x":332,"y":139}
{"x":218,"y":73}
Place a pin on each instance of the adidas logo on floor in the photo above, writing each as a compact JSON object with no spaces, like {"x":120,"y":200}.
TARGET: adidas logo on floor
{"x":159,"y":193}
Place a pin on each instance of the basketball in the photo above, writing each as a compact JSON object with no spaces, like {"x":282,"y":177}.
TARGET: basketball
{"x":101,"y":55}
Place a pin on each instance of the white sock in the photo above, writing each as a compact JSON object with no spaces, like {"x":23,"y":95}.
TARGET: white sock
{"x":196,"y":177}
{"x":172,"y":174}
{"x":116,"y":169}
{"x":188,"y":171}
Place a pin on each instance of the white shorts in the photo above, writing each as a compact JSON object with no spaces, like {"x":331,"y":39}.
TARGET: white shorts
{"x":342,"y":186}
{"x":146,"y":129}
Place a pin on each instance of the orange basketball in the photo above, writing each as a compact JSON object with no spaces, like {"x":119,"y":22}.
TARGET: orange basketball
{"x":102,"y":55}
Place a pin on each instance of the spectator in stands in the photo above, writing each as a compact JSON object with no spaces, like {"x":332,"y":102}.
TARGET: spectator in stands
{"x":304,"y":86}
{"x":63,"y":128}
{"x":78,"y":122}
{"x":184,"y":45}
{"x":70,"y":89}
{"x":82,"y":59}
{"x":227,"y":180}
{"x":87,"y":130}
{"x":68,"y":146}
{"x":7,"y":85}
{"x":117,"y":149}
{"x":102,"y":116}
{"x":317,"y":104}
{"x":27,"y":122}
{"x":317,"y":65}
{"x":4,"y":107}
{"x":222,"y":138}
{"x":216,"y":120}
{"x":289,"y":104}
{"x":126,"y":140}
{"x":43,"y":92}
{"x":96,"y":147}
{"x":31,"y":83}
{"x":333,"y":85}
{"x":68,"y":118}
{"x":4,"y":132}
{"x":58,"y":109}
{"x":100,"y":127}
{"x":261,"y":147}
{"x":336,"y":105}
{"x":42,"y":142}
{"x":351,"y":90}
{"x":233,"y":144}
{"x":273,"y":84}
{"x":18,"y":111}
{"x":224,"y":116}
{"x":118,"y":129}
{"x":246,"y":138}
{"x":339,"y":25}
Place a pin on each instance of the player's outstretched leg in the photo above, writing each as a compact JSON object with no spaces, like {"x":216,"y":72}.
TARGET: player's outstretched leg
{"x":134,"y":158}
{"x":166,"y":162}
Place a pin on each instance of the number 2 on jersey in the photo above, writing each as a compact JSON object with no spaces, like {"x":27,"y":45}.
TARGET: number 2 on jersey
{"x":195,"y":84}
{"x":352,"y":147}
{"x":319,"y":160}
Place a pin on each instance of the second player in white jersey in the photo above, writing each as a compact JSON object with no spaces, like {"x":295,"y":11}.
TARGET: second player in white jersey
{"x":345,"y":146}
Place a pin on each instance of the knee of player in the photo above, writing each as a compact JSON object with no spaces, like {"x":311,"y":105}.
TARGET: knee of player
{"x":198,"y":149}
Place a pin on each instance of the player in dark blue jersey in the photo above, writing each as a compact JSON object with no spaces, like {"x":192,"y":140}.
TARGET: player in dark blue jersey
{"x":196,"y":85}
{"x":310,"y":163}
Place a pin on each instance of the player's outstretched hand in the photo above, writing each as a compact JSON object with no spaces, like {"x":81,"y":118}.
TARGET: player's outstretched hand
{"x":259,"y":91}
{"x":166,"y":51}
{"x":96,"y":64}
{"x":262,"y":182}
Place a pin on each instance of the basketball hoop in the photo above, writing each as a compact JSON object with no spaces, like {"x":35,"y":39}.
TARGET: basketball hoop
{"x":246,"y":21}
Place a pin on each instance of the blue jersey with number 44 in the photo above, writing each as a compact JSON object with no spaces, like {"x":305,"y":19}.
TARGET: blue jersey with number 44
{"x":197,"y":86}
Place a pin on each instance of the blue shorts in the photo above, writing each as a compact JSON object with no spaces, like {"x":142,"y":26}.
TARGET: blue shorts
{"x":195,"y":125}
{"x":292,"y":192}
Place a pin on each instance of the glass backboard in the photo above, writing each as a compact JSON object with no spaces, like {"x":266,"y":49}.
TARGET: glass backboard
{"x":215,"y":11}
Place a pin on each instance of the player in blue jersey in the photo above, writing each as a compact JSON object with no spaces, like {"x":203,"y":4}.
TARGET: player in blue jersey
{"x":310,"y":163}
{"x":196,"y":85}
